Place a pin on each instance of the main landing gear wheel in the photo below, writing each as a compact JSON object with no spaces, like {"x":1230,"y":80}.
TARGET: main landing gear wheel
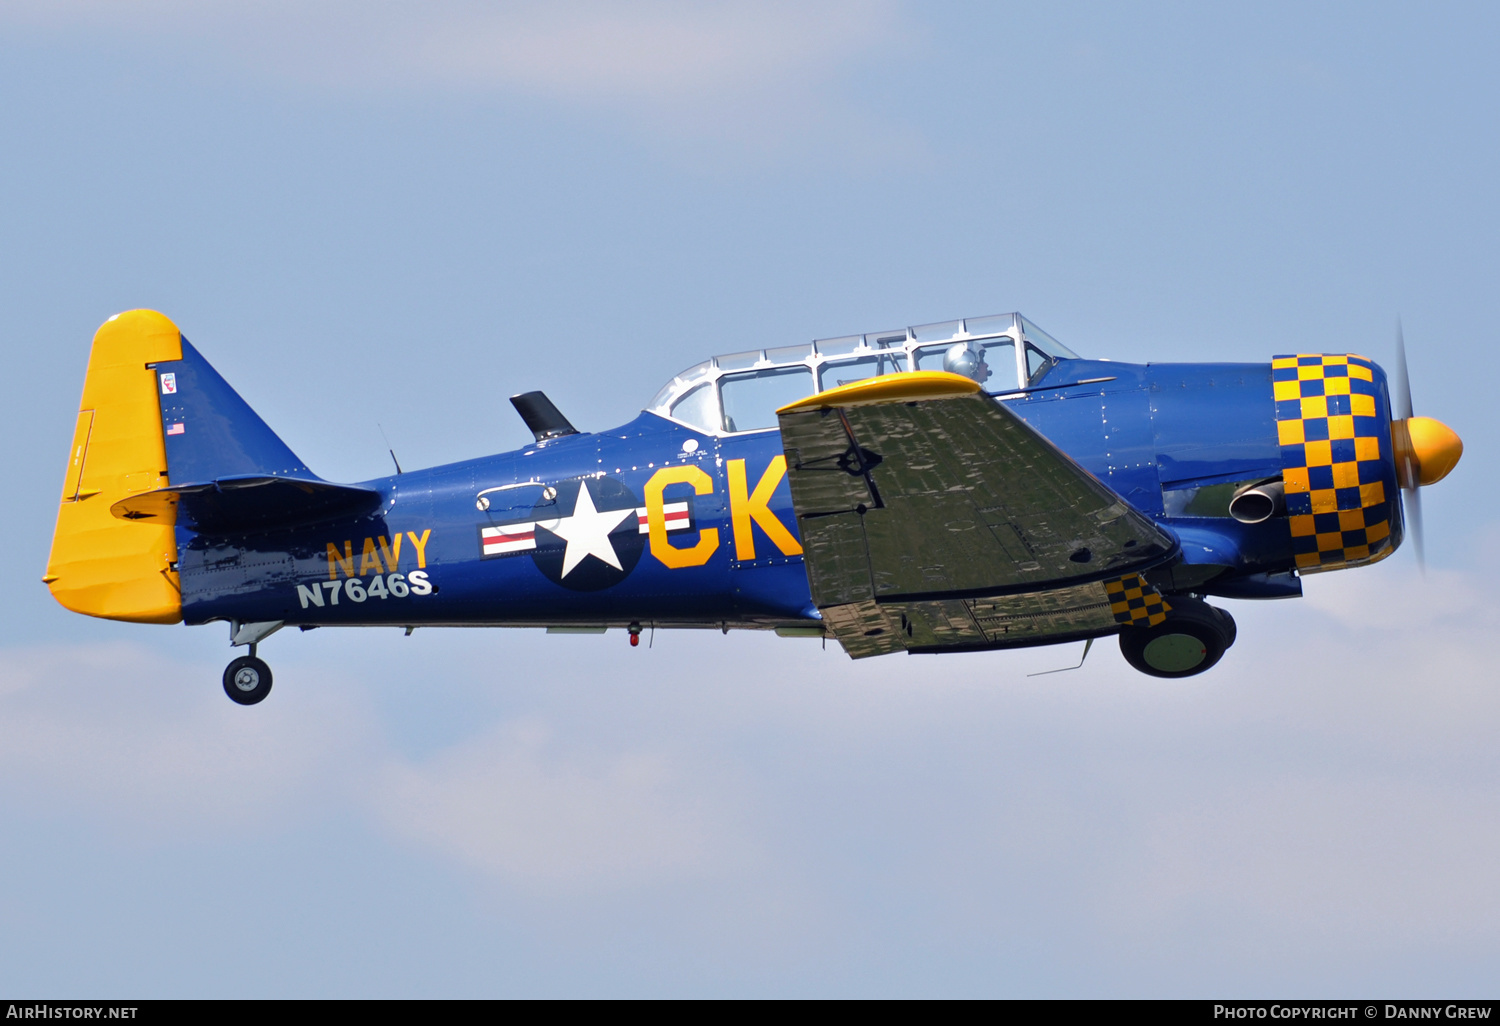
{"x":247,"y":680}
{"x":1193,"y":638}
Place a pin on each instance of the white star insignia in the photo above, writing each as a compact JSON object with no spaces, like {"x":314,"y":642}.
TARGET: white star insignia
{"x":587,"y":531}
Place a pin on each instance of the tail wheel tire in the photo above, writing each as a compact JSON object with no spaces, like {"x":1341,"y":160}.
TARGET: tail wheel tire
{"x":247,"y":680}
{"x":1194,"y":637}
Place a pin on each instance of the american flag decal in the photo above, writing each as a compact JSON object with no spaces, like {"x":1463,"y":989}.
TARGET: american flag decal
{"x":513,"y":539}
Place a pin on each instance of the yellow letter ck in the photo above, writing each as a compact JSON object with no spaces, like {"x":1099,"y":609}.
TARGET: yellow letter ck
{"x":758,"y":508}
{"x":656,"y":518}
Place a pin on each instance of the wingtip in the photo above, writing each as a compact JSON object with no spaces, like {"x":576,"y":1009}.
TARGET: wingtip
{"x":906,"y":387}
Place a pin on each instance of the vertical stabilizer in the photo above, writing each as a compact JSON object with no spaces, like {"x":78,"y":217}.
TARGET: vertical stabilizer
{"x":210,"y":432}
{"x":102,"y":565}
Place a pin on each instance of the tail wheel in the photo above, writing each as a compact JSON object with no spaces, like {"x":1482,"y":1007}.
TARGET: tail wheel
{"x":1193,"y":638}
{"x":247,"y":680}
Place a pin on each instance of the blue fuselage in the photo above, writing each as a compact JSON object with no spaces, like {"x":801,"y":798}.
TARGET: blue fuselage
{"x":655,"y":522}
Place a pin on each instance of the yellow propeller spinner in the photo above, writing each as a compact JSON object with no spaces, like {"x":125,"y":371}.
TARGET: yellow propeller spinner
{"x":1426,"y":450}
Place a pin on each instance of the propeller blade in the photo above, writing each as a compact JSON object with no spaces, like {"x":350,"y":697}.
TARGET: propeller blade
{"x":1412,"y":499}
{"x":1403,"y":384}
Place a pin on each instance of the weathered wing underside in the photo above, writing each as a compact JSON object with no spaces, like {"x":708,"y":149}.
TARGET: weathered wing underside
{"x":942,"y":521}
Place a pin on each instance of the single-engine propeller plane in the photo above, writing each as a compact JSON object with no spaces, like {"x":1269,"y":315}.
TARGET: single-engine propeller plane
{"x":960,"y":486}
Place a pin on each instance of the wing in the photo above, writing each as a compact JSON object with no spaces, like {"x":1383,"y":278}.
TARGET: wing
{"x":934,"y":518}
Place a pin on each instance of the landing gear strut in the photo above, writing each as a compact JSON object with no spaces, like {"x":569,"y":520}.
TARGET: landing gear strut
{"x":1193,"y":638}
{"x":247,"y":680}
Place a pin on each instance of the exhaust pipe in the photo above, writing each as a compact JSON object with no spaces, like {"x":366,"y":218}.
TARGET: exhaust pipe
{"x":1258,"y":503}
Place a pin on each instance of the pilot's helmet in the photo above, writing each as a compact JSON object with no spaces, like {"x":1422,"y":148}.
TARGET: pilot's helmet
{"x":966,"y":358}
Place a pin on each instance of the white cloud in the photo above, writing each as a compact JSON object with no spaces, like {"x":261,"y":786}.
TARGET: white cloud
{"x":753,"y":71}
{"x":150,"y":746}
{"x":1368,"y":860}
{"x":667,"y":51}
{"x":1334,"y":792}
{"x":1326,"y":793}
{"x":152,"y":749}
{"x":1390,"y":596}
{"x":511,"y":804}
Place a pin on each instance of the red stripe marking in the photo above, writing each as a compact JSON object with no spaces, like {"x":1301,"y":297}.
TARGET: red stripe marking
{"x":672,"y":522}
{"x":501,"y":547}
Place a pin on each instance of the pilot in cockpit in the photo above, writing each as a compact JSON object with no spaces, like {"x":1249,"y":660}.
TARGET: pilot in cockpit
{"x":967,"y":358}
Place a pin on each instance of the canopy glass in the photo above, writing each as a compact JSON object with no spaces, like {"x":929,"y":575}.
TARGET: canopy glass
{"x":741,"y":391}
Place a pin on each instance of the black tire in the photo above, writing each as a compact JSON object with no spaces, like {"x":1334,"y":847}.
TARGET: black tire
{"x":247,"y":680}
{"x":1194,"y":637}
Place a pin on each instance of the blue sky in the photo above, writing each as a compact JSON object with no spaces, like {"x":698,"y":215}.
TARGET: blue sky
{"x":401,"y":214}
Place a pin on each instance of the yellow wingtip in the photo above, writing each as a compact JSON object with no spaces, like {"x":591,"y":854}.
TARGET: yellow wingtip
{"x":906,"y":387}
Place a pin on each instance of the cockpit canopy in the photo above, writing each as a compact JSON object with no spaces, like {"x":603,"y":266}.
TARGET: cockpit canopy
{"x":742,"y":391}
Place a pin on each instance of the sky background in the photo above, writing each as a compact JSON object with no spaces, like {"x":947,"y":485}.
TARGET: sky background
{"x":400,"y":214}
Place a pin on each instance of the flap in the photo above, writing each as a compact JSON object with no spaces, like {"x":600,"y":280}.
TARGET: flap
{"x":928,"y":499}
{"x":248,"y":504}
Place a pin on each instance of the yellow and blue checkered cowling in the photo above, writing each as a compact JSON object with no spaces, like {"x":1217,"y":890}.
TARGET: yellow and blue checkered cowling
{"x":1334,"y":424}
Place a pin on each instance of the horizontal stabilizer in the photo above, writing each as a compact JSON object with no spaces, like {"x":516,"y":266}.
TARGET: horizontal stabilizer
{"x":236,"y":505}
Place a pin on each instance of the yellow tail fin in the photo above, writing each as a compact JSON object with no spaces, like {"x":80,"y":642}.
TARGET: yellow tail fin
{"x":102,"y":565}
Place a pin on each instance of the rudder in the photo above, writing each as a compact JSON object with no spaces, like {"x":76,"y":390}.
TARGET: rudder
{"x":101,"y":565}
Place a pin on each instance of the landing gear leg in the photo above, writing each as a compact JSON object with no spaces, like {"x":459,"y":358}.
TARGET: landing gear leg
{"x":247,"y":680}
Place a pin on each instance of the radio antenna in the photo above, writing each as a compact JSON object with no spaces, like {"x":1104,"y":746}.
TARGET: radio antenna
{"x":388,"y":448}
{"x":1063,"y":669}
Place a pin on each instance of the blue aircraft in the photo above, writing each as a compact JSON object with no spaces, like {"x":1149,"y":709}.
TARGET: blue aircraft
{"x":960,"y":486}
